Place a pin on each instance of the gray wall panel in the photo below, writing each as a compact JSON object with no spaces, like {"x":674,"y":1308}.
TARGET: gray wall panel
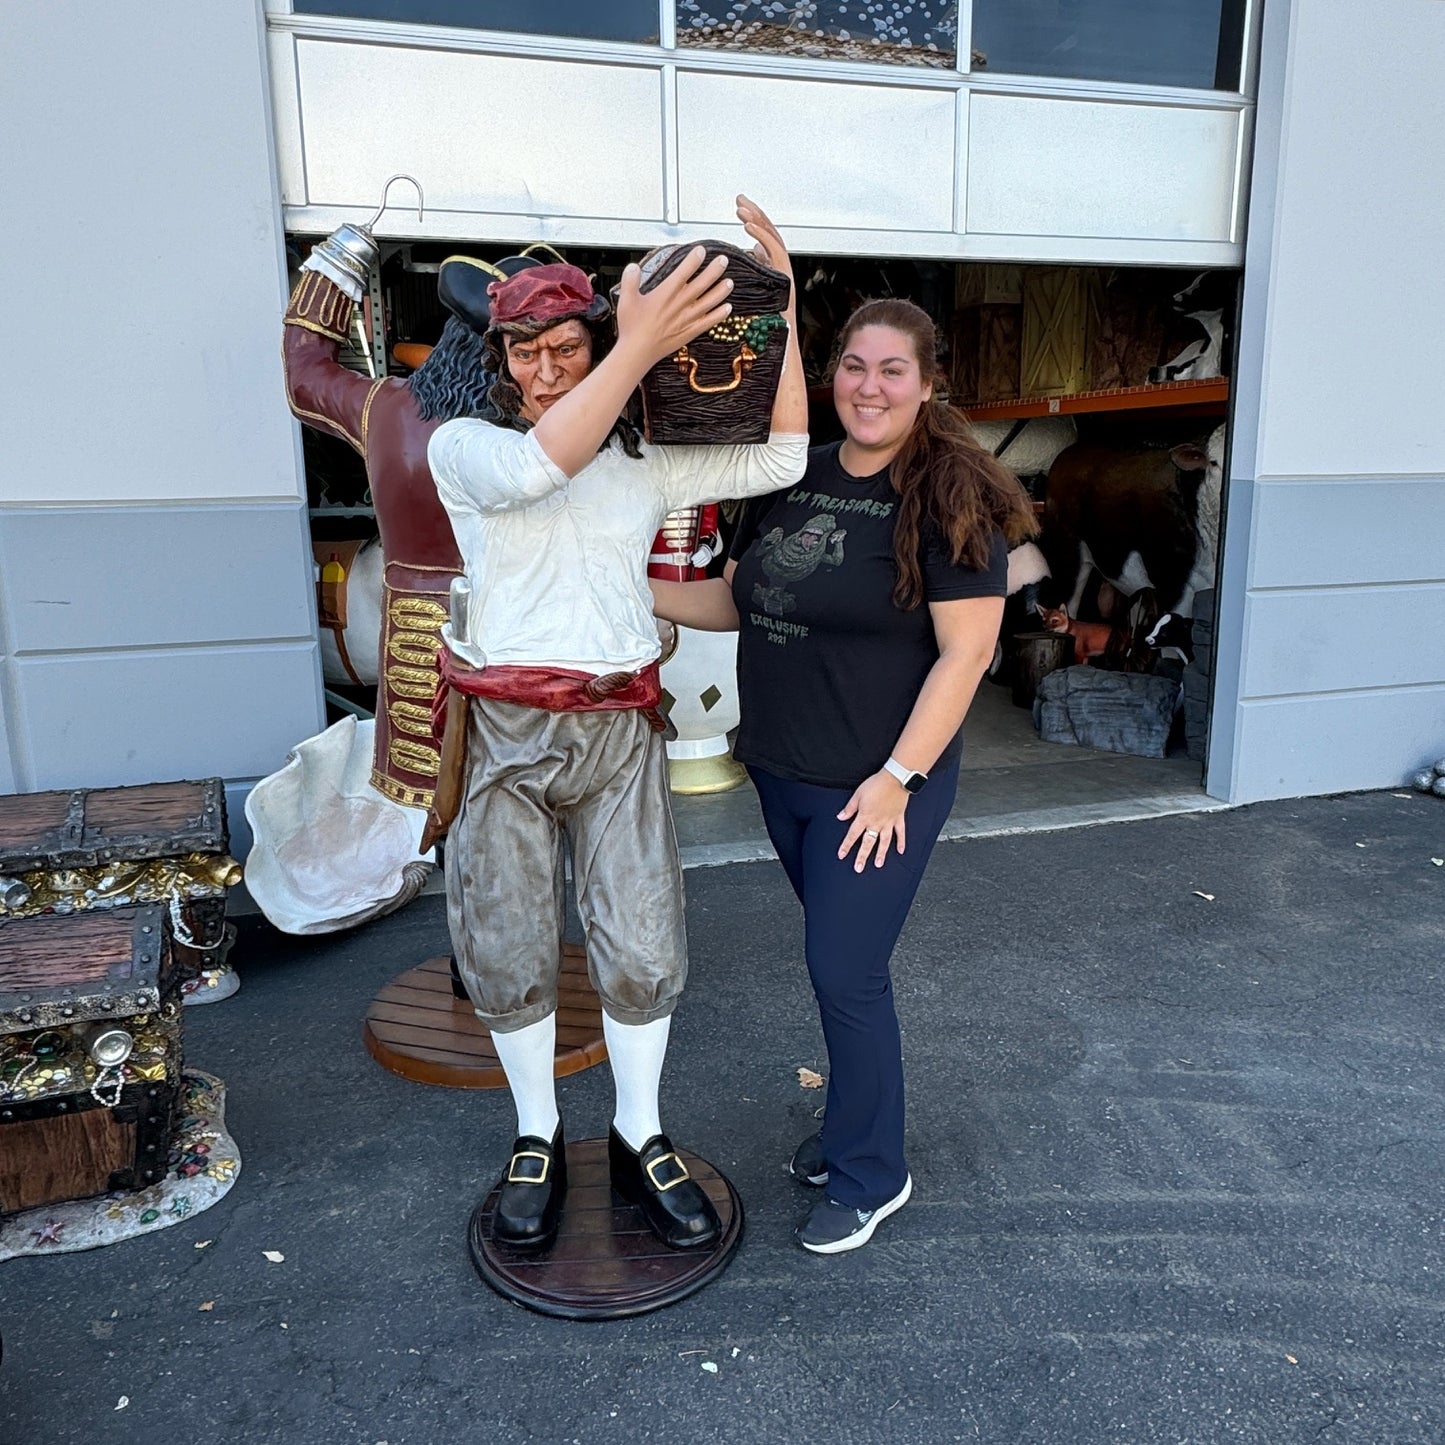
{"x":1293,"y":746}
{"x":100,"y":577}
{"x":134,"y":717}
{"x":1330,"y":670}
{"x":8,"y":781}
{"x":1311,"y":533}
{"x":1320,"y":640}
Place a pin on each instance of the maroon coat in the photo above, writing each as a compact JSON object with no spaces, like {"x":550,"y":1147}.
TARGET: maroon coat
{"x":380,"y":419}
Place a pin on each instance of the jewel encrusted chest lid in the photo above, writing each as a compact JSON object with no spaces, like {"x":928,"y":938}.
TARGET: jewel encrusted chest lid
{"x":88,"y":827}
{"x":719,"y":388}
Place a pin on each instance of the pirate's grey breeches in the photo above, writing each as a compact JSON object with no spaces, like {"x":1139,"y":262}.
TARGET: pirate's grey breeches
{"x":601,"y":777}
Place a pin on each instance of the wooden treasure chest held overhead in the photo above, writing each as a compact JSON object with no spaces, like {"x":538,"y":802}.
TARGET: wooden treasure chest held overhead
{"x":109,"y":901}
{"x":719,"y":388}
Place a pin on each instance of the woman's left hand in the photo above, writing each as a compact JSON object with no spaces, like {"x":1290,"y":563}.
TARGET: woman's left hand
{"x":876,"y":811}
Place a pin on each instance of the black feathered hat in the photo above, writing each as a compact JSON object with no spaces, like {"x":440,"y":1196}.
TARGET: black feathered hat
{"x":463,"y":282}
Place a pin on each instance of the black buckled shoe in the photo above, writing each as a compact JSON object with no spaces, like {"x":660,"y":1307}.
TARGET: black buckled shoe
{"x":657,"y":1182}
{"x":533,"y":1188}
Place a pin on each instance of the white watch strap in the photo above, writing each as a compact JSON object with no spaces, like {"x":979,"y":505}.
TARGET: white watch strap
{"x":894,"y":767}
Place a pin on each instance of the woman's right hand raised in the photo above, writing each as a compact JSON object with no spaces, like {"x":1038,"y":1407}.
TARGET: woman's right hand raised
{"x":691,"y":300}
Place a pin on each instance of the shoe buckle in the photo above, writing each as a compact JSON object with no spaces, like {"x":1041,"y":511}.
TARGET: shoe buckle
{"x":514,"y":1178}
{"x":681,"y":1178}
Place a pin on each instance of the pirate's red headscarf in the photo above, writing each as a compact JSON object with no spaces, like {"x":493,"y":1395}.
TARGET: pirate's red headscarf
{"x":544,"y":296}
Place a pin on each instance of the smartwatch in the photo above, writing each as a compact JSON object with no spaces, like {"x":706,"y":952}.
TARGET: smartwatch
{"x":911,"y":781}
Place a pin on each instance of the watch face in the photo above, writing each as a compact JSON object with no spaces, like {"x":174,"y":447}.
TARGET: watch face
{"x":915,"y":782}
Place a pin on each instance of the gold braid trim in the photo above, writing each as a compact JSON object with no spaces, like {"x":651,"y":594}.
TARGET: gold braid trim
{"x":366,"y":411}
{"x":320,"y":330}
{"x":399,"y":792}
{"x":320,"y":305}
{"x":325,"y":423}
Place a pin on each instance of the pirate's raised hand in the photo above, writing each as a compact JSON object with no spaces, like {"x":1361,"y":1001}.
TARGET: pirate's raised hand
{"x":770,"y":247}
{"x":790,"y":406}
{"x":692,"y":298}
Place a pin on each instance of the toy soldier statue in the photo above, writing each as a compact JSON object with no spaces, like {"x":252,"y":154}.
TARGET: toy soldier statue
{"x":553,"y":679}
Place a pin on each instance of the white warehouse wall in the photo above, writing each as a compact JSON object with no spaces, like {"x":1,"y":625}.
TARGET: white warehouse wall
{"x":1332,"y":612}
{"x":156,"y":610}
{"x":142,"y":251}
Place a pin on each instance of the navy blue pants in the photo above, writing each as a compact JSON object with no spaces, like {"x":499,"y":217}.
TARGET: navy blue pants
{"x":851,"y":923}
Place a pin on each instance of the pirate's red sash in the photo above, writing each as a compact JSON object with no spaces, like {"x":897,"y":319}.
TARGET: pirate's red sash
{"x":552,"y":689}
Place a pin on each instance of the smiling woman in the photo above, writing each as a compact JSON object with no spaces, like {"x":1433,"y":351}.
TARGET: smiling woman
{"x":867,"y":600}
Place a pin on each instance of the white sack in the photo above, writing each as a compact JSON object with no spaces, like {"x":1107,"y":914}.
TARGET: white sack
{"x":331,"y":851}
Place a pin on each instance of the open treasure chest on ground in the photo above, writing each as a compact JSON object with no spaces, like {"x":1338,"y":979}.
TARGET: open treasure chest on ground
{"x":110,"y":900}
{"x":719,"y":388}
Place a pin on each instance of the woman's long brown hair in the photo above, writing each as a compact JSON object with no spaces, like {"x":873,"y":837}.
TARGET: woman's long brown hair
{"x":942,"y":472}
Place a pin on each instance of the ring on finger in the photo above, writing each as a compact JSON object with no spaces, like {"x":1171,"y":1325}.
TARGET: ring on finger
{"x":870,"y":832}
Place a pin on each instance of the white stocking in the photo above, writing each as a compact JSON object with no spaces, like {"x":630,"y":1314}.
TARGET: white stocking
{"x":527,"y":1057}
{"x":636,"y":1052}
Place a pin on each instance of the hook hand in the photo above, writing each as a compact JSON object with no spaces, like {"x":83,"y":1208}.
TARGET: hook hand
{"x":385,"y":190}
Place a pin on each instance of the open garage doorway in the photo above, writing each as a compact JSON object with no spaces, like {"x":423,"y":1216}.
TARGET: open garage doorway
{"x":1106,"y":389}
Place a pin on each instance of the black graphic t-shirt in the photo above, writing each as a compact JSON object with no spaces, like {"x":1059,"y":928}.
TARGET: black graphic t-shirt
{"x":828,"y":666}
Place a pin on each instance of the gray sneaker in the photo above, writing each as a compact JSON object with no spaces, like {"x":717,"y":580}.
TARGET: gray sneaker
{"x":808,"y":1165}
{"x":832,"y":1228}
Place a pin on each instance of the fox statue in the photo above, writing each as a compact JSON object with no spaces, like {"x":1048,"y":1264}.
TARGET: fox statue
{"x":1091,"y":639}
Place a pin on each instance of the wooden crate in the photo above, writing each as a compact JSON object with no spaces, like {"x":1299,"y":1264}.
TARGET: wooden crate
{"x":985,"y":354}
{"x":1128,"y":322}
{"x":1054,"y":351}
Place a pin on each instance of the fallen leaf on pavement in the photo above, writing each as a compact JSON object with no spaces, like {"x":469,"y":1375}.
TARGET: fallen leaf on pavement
{"x":274,"y":1255}
{"x":1292,"y":1359}
{"x":201,"y":1244}
{"x":709,"y":1367}
{"x":1438,"y":862}
{"x":210,"y":1304}
{"x":809,"y":1078}
{"x":1207,"y":897}
{"x":122,"y":1402}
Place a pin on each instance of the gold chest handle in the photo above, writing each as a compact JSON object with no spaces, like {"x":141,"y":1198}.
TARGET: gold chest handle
{"x":742,"y":364}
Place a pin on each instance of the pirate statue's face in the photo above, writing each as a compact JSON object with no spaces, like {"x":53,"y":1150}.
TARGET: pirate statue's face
{"x":547,"y":366}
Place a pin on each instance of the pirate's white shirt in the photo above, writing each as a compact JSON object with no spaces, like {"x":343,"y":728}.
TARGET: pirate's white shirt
{"x":558,"y":565}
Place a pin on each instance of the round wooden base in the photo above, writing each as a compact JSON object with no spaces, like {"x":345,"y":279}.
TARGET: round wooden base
{"x":605,"y":1263}
{"x":418,"y":1028}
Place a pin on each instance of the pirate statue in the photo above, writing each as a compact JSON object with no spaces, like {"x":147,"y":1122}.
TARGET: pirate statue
{"x":552,"y":681}
{"x":390,"y":422}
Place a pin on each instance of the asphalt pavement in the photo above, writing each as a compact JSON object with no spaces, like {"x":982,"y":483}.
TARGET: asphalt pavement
{"x":1176,"y":1114}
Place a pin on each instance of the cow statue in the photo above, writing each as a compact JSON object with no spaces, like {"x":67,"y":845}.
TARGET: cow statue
{"x":1199,"y":325}
{"x":1141,"y":518}
{"x":1027,"y":448}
